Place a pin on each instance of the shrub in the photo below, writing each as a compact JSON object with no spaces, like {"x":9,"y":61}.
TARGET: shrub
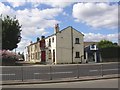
{"x":7,"y":57}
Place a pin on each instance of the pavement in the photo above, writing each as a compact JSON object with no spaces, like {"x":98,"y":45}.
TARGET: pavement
{"x":25,"y":63}
{"x":86,"y":78}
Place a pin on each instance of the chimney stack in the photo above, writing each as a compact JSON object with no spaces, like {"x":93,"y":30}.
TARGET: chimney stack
{"x":56,"y":29}
{"x":30,"y":42}
{"x":42,"y":37}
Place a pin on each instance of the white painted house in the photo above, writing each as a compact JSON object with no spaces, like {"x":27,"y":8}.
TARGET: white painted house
{"x":25,"y":54}
{"x":65,"y":46}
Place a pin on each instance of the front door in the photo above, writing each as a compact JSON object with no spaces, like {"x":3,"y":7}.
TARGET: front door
{"x":91,"y":57}
{"x":53,"y":55}
{"x":43,"y":56}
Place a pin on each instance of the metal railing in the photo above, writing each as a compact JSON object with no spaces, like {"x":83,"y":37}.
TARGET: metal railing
{"x":54,"y":72}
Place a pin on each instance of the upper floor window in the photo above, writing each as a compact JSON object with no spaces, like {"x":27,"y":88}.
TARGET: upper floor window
{"x":77,"y":55}
{"x":35,"y":47}
{"x":53,"y":39}
{"x":31,"y":48}
{"x":77,"y":41}
{"x":49,"y":42}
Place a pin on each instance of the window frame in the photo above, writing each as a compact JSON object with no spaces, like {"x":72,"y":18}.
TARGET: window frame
{"x":77,"y":41}
{"x":49,"y":42}
{"x":77,"y":54}
{"x":49,"y":54}
{"x":52,"y":39}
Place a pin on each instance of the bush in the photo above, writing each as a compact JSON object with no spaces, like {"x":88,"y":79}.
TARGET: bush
{"x":8,"y":58}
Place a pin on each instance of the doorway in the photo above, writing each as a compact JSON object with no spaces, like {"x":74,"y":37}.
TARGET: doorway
{"x":53,"y":55}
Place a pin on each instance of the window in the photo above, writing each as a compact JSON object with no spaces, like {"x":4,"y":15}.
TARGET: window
{"x":31,"y":48}
{"x":77,"y":55}
{"x":33,"y":56}
{"x":49,"y":54}
{"x":35,"y":47}
{"x":38,"y":55}
{"x":49,"y":42}
{"x":77,"y":41}
{"x":93,"y":46}
{"x":53,"y":39}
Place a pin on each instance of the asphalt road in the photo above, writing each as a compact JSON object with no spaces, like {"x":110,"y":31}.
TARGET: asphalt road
{"x":52,"y":72}
{"x":104,"y":83}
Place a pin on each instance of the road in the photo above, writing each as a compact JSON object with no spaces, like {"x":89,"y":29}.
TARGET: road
{"x":105,"y":83}
{"x":52,"y":72}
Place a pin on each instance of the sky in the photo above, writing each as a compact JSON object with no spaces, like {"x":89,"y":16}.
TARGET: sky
{"x":96,"y":20}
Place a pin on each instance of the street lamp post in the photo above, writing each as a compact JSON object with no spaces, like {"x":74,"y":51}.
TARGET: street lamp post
{"x":77,"y":70}
{"x":101,"y":66}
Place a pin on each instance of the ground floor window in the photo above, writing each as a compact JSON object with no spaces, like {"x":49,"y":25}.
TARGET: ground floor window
{"x":38,"y":55}
{"x":49,"y":54}
{"x":77,"y":55}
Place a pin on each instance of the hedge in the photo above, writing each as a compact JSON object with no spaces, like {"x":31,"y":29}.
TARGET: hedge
{"x":110,"y":54}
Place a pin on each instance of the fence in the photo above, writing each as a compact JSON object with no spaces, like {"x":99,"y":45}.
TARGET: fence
{"x":53,"y":72}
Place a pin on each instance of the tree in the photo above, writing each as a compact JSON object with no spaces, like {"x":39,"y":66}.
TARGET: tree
{"x":106,"y":44}
{"x":11,"y":33}
{"x":109,"y":51}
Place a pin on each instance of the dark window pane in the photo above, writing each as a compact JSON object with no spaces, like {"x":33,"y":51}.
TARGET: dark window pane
{"x":49,"y":42}
{"x":77,"y":40}
{"x":77,"y":54}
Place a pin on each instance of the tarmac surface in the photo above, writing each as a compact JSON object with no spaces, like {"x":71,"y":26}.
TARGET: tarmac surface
{"x":111,"y":66}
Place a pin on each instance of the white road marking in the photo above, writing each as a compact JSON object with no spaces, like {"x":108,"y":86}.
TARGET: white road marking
{"x":95,"y":70}
{"x":38,"y":73}
{"x":54,"y":73}
{"x":7,"y":74}
{"x":110,"y":69}
{"x":61,"y":72}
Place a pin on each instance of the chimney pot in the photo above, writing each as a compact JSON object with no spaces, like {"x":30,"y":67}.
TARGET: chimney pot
{"x":56,"y":29}
{"x":42,"y":37}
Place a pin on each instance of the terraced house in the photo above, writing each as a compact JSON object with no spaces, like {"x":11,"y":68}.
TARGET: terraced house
{"x":64,"y":46}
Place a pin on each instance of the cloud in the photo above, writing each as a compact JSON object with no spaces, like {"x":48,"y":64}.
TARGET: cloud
{"x":36,"y":3}
{"x":38,"y":18}
{"x":5,"y":10}
{"x":16,"y":3}
{"x":21,"y":46}
{"x":55,"y":3}
{"x":60,"y":4}
{"x":97,"y":15}
{"x":97,"y":37}
{"x":34,"y":21}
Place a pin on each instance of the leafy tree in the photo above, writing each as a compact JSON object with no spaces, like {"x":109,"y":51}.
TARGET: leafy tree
{"x":106,"y":44}
{"x":11,"y":33}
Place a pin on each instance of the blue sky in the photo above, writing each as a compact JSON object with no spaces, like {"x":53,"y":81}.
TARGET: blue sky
{"x":96,"y":21}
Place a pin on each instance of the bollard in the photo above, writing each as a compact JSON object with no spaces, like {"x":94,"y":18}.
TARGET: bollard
{"x":22,"y":74}
{"x":50,"y":73}
{"x":101,"y":70}
{"x":77,"y":71}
